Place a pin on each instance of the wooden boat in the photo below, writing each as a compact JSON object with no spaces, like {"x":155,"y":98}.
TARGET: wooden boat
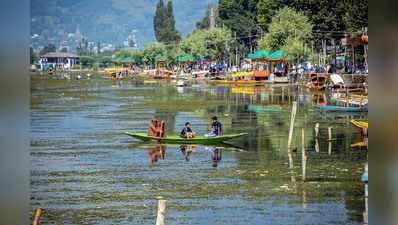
{"x":243,"y":78}
{"x":262,"y":109}
{"x":363,"y":124}
{"x":317,"y":82}
{"x":114,"y":70}
{"x":176,"y":139}
{"x":335,"y":108}
{"x":360,"y":144}
{"x":354,"y":100}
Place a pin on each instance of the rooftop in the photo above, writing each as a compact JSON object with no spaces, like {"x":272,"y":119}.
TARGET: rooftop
{"x":59,"y":55}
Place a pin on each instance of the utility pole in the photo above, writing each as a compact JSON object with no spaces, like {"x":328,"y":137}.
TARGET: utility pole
{"x":212,"y":23}
{"x":236,"y":52}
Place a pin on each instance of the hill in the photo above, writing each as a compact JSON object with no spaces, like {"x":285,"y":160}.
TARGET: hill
{"x":108,"y":20}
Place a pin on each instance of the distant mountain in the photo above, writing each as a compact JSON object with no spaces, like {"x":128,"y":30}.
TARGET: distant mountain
{"x":108,"y":21}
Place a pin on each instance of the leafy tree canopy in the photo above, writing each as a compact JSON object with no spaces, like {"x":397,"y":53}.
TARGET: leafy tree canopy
{"x":288,"y":31}
{"x":154,"y":52}
{"x":210,"y":44}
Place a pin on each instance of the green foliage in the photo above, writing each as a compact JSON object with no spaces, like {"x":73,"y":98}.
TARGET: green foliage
{"x":240,"y":16}
{"x":105,"y":61}
{"x":331,"y":15}
{"x":87,"y":61}
{"x":64,"y":49}
{"x":137,"y":56}
{"x":49,"y":48}
{"x":356,"y":15}
{"x":288,"y":31}
{"x":164,"y":23}
{"x":209,"y":44}
{"x":266,"y":9}
{"x":294,"y":48}
{"x":154,"y":52}
{"x":33,"y":56}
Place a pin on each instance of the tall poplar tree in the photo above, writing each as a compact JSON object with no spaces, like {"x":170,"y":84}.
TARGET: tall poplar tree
{"x":164,"y":23}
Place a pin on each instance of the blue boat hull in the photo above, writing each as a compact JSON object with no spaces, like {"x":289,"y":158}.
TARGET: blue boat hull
{"x":333,"y":108}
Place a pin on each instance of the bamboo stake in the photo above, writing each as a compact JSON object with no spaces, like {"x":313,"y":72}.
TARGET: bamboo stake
{"x":365,"y":214}
{"x":317,"y":130}
{"x":303,"y":155}
{"x":330,"y":140}
{"x":317,"y":145}
{"x":36,"y":220}
{"x":330,"y":134}
{"x":161,"y":212}
{"x":292,"y":118}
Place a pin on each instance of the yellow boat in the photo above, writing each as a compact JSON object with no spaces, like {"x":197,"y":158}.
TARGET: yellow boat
{"x":112,"y":70}
{"x":360,"y":144}
{"x":363,"y":124}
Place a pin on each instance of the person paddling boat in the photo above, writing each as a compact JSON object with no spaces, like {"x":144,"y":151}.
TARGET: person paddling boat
{"x":215,"y":128}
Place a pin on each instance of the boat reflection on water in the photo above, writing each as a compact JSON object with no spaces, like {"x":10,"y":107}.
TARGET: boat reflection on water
{"x":186,"y":150}
{"x":156,"y":152}
{"x":216,"y":155}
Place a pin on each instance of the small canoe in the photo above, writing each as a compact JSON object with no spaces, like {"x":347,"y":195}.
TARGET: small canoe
{"x":334,"y":108}
{"x":176,"y":139}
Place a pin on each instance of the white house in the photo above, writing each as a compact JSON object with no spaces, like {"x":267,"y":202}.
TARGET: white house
{"x":58,"y":60}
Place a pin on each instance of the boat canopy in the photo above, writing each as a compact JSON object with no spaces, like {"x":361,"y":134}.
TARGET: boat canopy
{"x":185,"y":58}
{"x":275,"y":55}
{"x":264,"y":54}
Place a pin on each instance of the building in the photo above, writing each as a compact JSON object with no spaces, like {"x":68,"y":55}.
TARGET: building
{"x":58,"y":60}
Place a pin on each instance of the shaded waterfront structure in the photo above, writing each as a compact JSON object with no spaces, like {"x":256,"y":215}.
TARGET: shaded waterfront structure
{"x":58,"y":60}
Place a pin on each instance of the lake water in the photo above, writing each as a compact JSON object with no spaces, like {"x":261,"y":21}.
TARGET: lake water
{"x":84,"y":170}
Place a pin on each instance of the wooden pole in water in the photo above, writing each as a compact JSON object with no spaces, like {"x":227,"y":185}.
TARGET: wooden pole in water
{"x":303,"y":155}
{"x":317,"y":130}
{"x":36,"y":220}
{"x":330,"y":134}
{"x":330,"y":140}
{"x":292,"y":118}
{"x":365,"y":137}
{"x":161,"y":212}
{"x":317,"y":145}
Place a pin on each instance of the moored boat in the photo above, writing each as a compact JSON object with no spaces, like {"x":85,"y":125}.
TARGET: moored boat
{"x":335,"y":108}
{"x":317,"y":82}
{"x":363,"y":124}
{"x":176,"y":139}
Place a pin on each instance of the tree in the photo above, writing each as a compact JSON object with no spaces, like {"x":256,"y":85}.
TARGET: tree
{"x":210,"y":44}
{"x":87,"y":61}
{"x":171,"y":32}
{"x":49,"y":48}
{"x":356,"y":15}
{"x":136,"y":55}
{"x":158,"y":20}
{"x":154,"y":52}
{"x":64,"y":49}
{"x":105,"y":61}
{"x":266,"y":9}
{"x":33,"y":56}
{"x":240,"y":16}
{"x":164,"y":23}
{"x":288,"y":30}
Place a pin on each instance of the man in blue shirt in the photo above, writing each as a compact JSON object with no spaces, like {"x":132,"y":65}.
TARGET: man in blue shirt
{"x":216,"y":128}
